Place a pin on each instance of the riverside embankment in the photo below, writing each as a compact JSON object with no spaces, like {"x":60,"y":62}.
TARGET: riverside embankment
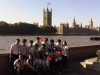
{"x":74,"y":53}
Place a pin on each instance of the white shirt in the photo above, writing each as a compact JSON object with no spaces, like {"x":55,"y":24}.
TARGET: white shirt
{"x":15,"y":48}
{"x":65,"y":50}
{"x":31,"y":49}
{"x":58,"y":45}
{"x":19,"y":63}
{"x":30,"y":62}
{"x":45,"y":63}
{"x":24,"y":49}
{"x":39,"y":43}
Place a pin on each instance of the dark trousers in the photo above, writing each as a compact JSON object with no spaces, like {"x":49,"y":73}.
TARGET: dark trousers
{"x":52,"y":66}
{"x":59,"y":66}
{"x":13,"y":58}
{"x":29,"y":71}
{"x":65,"y":62}
{"x":21,"y":72}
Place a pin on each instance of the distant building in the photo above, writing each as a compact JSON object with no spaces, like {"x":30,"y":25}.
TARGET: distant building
{"x":98,"y":29}
{"x":90,"y":26}
{"x":77,"y":29}
{"x":81,"y":25}
{"x":60,"y":29}
{"x":74,"y":25}
{"x":47,"y":17}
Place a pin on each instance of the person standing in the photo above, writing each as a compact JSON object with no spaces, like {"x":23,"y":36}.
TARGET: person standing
{"x":65,"y":55}
{"x":46,"y":43}
{"x":14,"y":51}
{"x":59,"y":44}
{"x":24,"y":49}
{"x":38,"y":42}
{"x":31,"y":47}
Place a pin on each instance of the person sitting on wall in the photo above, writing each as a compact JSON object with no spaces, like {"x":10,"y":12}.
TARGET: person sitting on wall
{"x":19,"y":65}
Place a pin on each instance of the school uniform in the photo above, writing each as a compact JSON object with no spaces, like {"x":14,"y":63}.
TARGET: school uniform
{"x":59,"y":46}
{"x":14,"y":52}
{"x":31,"y":50}
{"x":38,"y":65}
{"x":47,"y":45}
{"x":39,"y":43}
{"x":30,"y":66}
{"x":65,"y":57}
{"x":19,"y":66}
{"x":43,"y":51}
{"x":24,"y":51}
{"x":58,"y":63}
{"x":52,"y":47}
{"x":46,"y":68}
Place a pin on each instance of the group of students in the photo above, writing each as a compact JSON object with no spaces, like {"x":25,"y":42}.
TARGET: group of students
{"x":39,"y":58}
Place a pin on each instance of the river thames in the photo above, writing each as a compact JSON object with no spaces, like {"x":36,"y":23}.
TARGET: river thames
{"x":73,"y":41}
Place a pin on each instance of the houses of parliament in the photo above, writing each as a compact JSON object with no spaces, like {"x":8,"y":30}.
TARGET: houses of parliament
{"x":75,"y":29}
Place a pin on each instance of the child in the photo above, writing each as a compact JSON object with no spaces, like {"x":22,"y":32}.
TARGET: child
{"x":19,"y":65}
{"x":30,"y":63}
{"x":45,"y":64}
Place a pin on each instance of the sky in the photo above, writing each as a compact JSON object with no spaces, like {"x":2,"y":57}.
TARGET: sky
{"x":64,"y":11}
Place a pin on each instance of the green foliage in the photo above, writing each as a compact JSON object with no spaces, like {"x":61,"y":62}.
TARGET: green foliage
{"x":23,"y":28}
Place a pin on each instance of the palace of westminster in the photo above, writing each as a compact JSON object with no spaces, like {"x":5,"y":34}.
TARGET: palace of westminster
{"x":64,"y":28}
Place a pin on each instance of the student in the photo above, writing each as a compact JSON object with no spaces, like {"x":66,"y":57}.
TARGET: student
{"x":24,"y":49}
{"x":14,"y":51}
{"x":65,"y":55}
{"x":52,"y":53}
{"x":38,"y":42}
{"x":30,"y":63}
{"x":43,"y":51}
{"x":38,"y":64}
{"x":59,"y":44}
{"x":52,"y":46}
{"x":46,"y":43}
{"x":31,"y":47}
{"x":58,"y":62}
{"x":45,"y":64}
{"x":19,"y":65}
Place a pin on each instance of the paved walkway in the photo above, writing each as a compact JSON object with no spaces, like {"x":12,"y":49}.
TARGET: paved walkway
{"x":75,"y":68}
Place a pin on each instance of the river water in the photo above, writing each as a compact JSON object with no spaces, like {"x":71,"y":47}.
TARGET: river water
{"x":73,"y":41}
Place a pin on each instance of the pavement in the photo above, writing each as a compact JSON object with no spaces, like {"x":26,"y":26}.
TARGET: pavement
{"x":75,"y":68}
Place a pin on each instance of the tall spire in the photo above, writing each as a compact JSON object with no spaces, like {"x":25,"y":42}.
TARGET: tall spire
{"x":47,"y":9}
{"x":74,"y":19}
{"x":74,"y":23}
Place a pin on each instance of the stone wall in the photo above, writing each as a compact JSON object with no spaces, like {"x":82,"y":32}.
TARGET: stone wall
{"x":84,"y":51}
{"x":74,"y":53}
